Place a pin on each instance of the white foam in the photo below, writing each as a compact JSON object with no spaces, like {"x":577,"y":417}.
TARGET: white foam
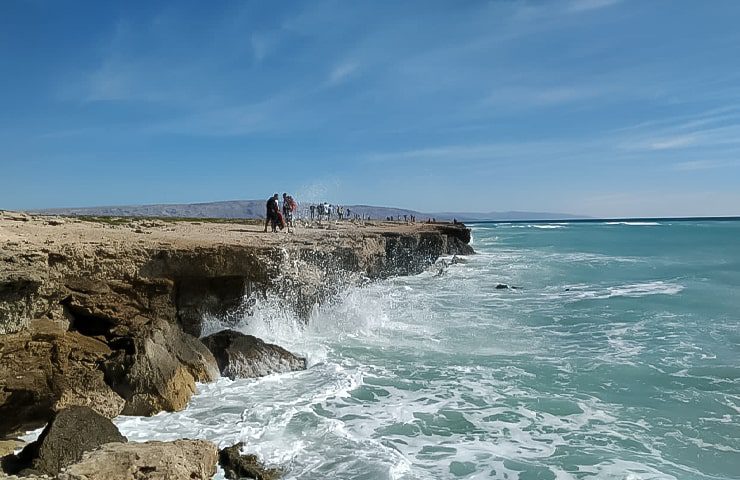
{"x":636,"y":224}
{"x":631,"y":290}
{"x":409,"y":375}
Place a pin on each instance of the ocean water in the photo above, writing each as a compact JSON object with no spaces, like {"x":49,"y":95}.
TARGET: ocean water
{"x":618,"y":357}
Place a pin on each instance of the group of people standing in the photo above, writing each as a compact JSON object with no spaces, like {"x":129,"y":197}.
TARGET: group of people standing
{"x":325,"y":211}
{"x":277,"y":219}
{"x":280,"y":215}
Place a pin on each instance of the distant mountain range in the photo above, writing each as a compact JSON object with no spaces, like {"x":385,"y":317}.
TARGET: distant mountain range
{"x":256,"y":209}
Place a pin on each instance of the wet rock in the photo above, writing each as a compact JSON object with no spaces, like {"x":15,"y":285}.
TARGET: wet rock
{"x":237,"y":466}
{"x":67,"y":436}
{"x":457,"y":239}
{"x":158,"y":370}
{"x":181,"y":459}
{"x":245,"y":356}
{"x":8,"y":446}
{"x":503,"y":286}
{"x":197,"y":297}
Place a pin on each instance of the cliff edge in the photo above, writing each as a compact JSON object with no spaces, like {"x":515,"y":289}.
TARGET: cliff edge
{"x":107,"y":313}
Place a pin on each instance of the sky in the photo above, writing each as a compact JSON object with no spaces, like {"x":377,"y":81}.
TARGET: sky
{"x":606,"y":108}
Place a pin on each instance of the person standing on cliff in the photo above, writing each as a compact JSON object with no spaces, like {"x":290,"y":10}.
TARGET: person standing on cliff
{"x":271,"y":214}
{"x":289,"y":206}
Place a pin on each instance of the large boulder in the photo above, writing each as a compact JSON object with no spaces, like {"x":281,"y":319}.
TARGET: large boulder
{"x":245,"y":356}
{"x":67,"y":436}
{"x":158,"y":369}
{"x":237,"y":465}
{"x":181,"y":459}
{"x":155,"y":365}
{"x":46,"y":368}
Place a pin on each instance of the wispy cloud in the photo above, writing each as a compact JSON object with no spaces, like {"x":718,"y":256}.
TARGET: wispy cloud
{"x":694,"y":165}
{"x":672,"y":142}
{"x":586,"y":5}
{"x":262,"y":44}
{"x":544,"y":96}
{"x":533,"y":151}
{"x":340,"y":73}
{"x":715,"y":130}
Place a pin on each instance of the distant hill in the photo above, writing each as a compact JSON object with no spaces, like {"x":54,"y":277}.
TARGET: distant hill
{"x":256,"y":209}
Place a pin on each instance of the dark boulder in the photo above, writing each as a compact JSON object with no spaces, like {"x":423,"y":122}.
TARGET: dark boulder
{"x":67,"y":436}
{"x":245,"y":356}
{"x":237,"y":466}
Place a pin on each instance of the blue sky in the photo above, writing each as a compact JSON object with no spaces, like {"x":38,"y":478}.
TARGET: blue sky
{"x":597,"y":107}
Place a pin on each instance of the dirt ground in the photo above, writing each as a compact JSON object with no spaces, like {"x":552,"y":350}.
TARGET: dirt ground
{"x":20,"y":229}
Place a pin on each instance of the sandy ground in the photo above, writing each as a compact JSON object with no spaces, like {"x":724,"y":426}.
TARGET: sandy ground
{"x":19,"y":229}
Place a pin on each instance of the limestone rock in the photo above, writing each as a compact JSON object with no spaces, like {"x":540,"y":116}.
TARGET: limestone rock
{"x":17,"y":289}
{"x":46,"y":368}
{"x":86,"y":387}
{"x":245,"y":356}
{"x":159,"y":369}
{"x":237,"y":466}
{"x":181,"y":459}
{"x":67,"y":436}
{"x":117,"y":308}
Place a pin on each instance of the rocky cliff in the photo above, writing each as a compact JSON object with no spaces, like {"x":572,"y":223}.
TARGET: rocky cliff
{"x":107,"y":314}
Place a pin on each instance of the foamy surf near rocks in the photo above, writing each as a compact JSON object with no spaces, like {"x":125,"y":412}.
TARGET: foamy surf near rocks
{"x":245,"y":356}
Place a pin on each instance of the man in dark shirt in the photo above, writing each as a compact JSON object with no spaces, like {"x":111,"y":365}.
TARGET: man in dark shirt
{"x":271,"y":215}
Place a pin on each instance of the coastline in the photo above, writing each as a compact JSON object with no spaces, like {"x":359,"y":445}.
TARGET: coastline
{"x":106,"y":313}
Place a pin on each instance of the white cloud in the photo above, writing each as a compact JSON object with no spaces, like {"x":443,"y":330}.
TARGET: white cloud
{"x":586,"y":5}
{"x":673,"y":142}
{"x":342,"y":72}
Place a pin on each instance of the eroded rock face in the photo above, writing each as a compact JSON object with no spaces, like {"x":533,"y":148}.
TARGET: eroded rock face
{"x":116,"y":308}
{"x":93,"y":314}
{"x":68,"y":435}
{"x":181,"y":459}
{"x":17,"y":291}
{"x":159,"y":369}
{"x":46,"y":368}
{"x":237,"y":466}
{"x":245,"y":356}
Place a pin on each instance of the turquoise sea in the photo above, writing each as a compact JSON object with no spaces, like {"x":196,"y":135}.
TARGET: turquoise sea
{"x":617,"y":357}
